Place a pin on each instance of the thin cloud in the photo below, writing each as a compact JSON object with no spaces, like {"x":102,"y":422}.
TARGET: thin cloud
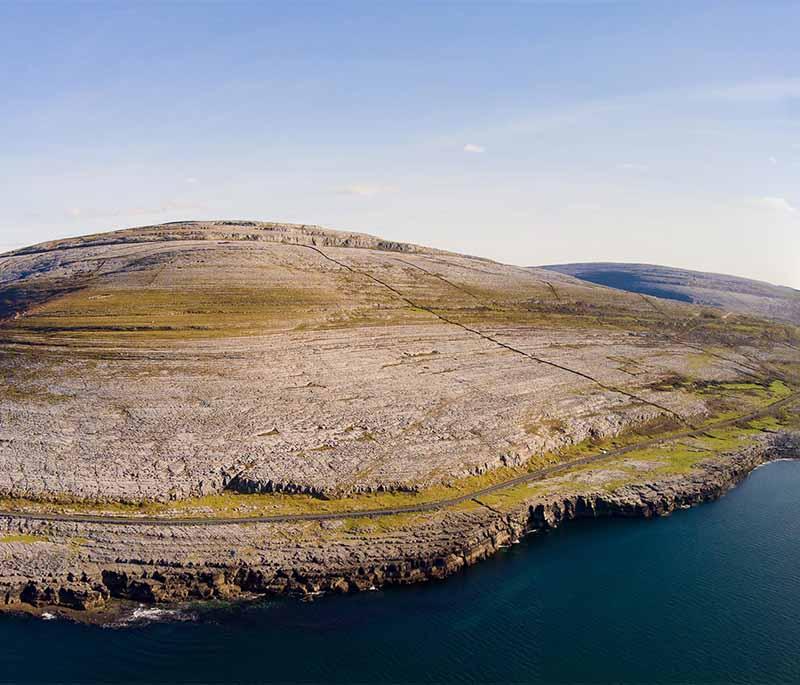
{"x":473,"y":148}
{"x":96,"y":213}
{"x":763,"y":91}
{"x":633,"y":166}
{"x":366,"y":189}
{"x":554,"y":118}
{"x":777,"y":204}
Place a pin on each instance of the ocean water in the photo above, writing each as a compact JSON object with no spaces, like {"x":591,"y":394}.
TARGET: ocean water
{"x":709,"y":595}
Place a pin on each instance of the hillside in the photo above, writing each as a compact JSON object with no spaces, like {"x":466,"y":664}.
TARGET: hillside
{"x":731,"y":293}
{"x":178,"y":360}
{"x":300,"y":379}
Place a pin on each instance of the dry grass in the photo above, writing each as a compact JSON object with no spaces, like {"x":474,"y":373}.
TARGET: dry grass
{"x":23,"y":539}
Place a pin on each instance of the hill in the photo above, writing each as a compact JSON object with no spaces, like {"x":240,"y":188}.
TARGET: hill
{"x":730,"y":293}
{"x":203,"y":408}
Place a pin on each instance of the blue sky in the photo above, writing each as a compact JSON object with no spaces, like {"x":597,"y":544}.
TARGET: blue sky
{"x":529,"y":132}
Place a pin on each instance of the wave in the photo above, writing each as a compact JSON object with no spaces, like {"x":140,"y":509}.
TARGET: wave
{"x":143,"y":615}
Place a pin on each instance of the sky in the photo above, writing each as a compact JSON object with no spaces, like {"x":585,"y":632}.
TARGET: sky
{"x":527,"y":132}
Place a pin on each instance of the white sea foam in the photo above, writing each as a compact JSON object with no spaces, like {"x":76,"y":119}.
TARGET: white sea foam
{"x":47,"y":616}
{"x":773,"y":461}
{"x":145,"y":614}
{"x":150,"y":614}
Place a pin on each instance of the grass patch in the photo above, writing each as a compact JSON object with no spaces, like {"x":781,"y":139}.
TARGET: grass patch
{"x":24,"y":539}
{"x":156,"y":312}
{"x":670,"y":459}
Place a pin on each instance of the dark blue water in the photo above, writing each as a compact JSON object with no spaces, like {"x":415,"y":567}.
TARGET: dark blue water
{"x":709,"y":595}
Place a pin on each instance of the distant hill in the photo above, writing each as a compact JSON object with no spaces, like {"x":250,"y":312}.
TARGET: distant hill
{"x":732,"y":293}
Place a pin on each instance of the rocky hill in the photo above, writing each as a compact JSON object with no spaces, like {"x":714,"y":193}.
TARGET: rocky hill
{"x":731,"y":293}
{"x":222,"y":369}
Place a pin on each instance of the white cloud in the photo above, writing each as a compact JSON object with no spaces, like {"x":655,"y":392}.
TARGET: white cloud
{"x":633,"y":166}
{"x":777,"y":204}
{"x":191,"y":179}
{"x":366,"y":189}
{"x":773,"y":160}
{"x":163,"y":208}
{"x":738,"y":93}
{"x":764,"y":91}
{"x":472,"y":147}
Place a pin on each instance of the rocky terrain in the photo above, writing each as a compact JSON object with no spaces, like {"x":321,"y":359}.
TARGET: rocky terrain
{"x":80,"y":567}
{"x":213,"y":370}
{"x":731,"y":293}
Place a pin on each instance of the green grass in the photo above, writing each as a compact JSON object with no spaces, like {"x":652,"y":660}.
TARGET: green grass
{"x":24,"y":539}
{"x":669,"y":459}
{"x":766,"y":423}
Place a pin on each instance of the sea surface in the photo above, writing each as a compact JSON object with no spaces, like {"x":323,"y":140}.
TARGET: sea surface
{"x":709,"y":595}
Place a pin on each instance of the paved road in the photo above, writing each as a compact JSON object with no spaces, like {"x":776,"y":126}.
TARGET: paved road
{"x":529,"y":477}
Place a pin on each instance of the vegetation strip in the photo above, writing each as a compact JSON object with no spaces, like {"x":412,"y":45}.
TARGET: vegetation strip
{"x":533,"y":476}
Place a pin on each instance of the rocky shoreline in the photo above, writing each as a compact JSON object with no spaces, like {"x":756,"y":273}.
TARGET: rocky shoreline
{"x":464,"y":541}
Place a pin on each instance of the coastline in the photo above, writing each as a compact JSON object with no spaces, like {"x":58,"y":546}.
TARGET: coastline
{"x":103,"y":598}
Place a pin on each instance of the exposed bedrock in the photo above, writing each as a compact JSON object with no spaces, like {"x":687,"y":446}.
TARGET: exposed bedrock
{"x":176,"y":361}
{"x":417,"y":558}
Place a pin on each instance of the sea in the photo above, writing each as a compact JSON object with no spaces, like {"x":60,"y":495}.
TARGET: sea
{"x":707,"y":595}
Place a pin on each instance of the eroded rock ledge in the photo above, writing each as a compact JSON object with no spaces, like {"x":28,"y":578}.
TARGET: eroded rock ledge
{"x":432,"y":550}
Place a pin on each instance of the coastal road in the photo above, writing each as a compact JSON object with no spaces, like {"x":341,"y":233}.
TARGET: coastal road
{"x":530,"y":477}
